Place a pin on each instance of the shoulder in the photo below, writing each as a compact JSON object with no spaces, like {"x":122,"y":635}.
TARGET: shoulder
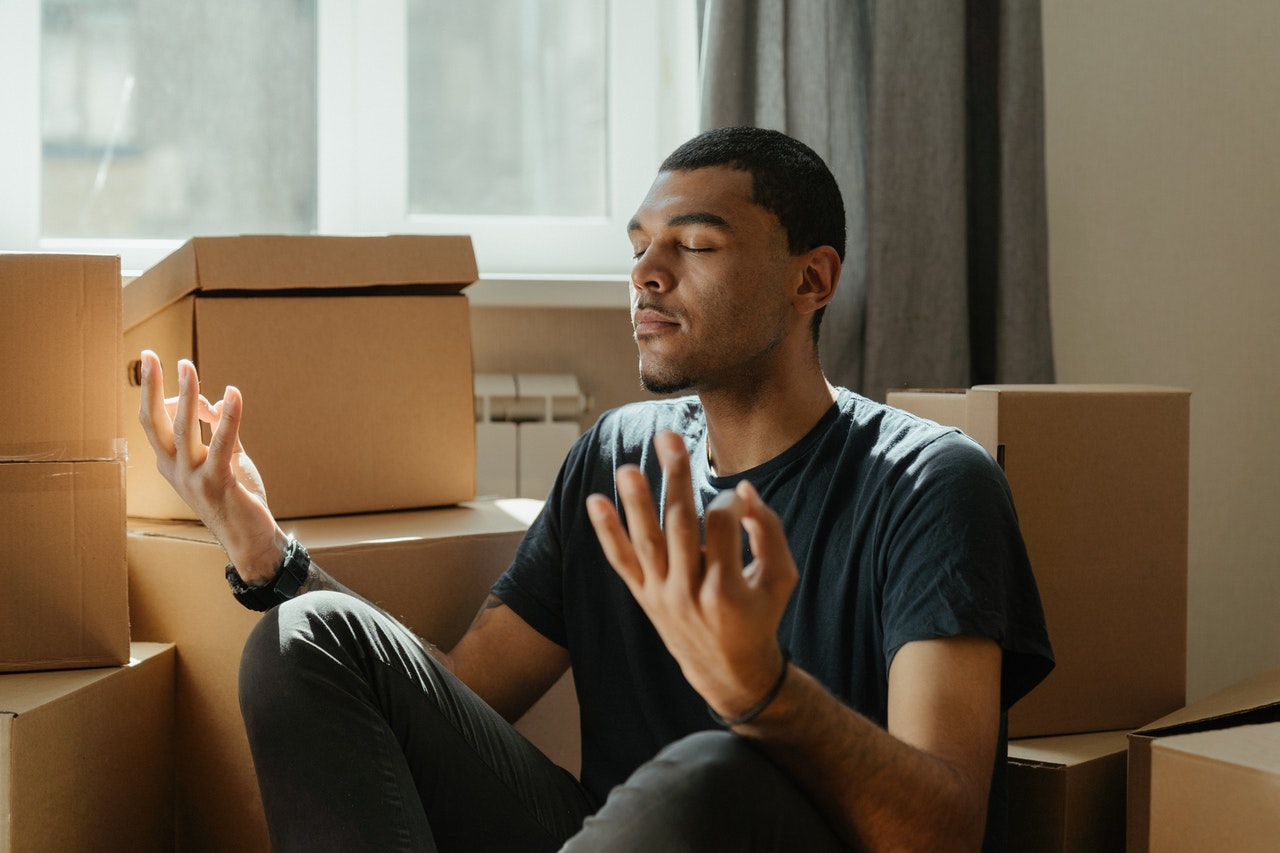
{"x":633,"y":425}
{"x":910,"y":443}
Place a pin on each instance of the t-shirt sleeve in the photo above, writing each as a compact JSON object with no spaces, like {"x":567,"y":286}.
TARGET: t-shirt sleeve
{"x":955,"y":563}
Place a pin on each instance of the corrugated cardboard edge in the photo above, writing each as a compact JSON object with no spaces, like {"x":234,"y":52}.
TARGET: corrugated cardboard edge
{"x":287,"y":262}
{"x":1253,"y":700}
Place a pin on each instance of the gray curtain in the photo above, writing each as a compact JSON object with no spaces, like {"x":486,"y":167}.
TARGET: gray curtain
{"x":931,"y":116}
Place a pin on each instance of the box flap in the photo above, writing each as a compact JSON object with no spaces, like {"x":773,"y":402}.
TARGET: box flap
{"x":1067,"y":750}
{"x":1254,"y":700}
{"x":442,"y":263}
{"x":1078,"y":389}
{"x":343,"y":531}
{"x":1256,"y":747}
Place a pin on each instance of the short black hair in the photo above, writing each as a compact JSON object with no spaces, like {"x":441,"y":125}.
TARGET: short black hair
{"x":788,"y":179}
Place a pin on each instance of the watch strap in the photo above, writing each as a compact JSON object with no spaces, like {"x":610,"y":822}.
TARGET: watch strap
{"x":284,"y":585}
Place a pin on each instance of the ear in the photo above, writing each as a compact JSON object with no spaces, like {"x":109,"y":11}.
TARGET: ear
{"x":819,"y":275}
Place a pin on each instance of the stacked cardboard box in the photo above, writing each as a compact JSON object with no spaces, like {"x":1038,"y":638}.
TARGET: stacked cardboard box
{"x":353,"y":354}
{"x":85,"y":719}
{"x":1099,"y":475}
{"x":86,"y":758}
{"x":1067,"y":794}
{"x":354,"y":358}
{"x":62,"y":530}
{"x":430,"y":568}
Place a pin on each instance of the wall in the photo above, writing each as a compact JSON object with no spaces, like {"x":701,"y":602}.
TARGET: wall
{"x":594,"y":344}
{"x":1163,"y":163}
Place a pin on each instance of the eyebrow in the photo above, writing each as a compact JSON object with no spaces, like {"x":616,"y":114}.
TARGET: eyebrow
{"x":695,"y":218}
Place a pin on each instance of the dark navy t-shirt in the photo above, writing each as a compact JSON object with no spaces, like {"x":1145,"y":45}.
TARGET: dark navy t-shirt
{"x":901,"y":530}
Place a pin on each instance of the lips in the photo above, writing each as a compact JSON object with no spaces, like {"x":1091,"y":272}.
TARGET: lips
{"x":648,"y":321}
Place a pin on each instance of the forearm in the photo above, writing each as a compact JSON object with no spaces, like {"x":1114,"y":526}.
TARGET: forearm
{"x":879,"y":792}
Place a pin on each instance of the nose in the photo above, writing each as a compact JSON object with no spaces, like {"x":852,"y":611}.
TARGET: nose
{"x":651,"y":272}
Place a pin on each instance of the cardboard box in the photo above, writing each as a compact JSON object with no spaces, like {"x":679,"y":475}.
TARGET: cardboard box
{"x":1099,"y":475}
{"x":353,"y":355}
{"x":430,"y":568}
{"x":59,"y":345}
{"x":1217,"y":790}
{"x":1253,"y":701}
{"x":62,"y":566}
{"x":86,"y":758}
{"x":1067,"y":793}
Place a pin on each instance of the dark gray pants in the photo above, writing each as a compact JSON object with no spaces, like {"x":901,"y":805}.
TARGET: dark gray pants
{"x":362,"y":741}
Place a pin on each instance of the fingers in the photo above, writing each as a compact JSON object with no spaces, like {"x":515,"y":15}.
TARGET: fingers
{"x":680,"y":514}
{"x":643,"y":530}
{"x":724,"y":539}
{"x":226,"y":435}
{"x":152,"y":414}
{"x":188,"y":443}
{"x":773,"y":561}
{"x":615,"y":542}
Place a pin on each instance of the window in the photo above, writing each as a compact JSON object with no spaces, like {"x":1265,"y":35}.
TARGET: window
{"x":533,"y":125}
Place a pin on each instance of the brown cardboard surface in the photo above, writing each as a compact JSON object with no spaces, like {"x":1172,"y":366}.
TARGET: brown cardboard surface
{"x":62,"y":566}
{"x":1253,"y":701}
{"x":1217,"y":790}
{"x":86,"y":760}
{"x":430,"y":568}
{"x":354,"y":403}
{"x":1099,"y":475}
{"x":1067,"y":793}
{"x":59,"y":347}
{"x":286,"y":262}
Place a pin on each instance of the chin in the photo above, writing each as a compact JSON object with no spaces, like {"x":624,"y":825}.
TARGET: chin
{"x":664,"y":384}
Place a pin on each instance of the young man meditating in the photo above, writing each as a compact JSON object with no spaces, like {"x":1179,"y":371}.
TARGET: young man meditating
{"x":795,"y":617}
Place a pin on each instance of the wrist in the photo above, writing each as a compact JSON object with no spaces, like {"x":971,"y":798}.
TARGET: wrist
{"x":257,"y":566}
{"x":749,"y":714}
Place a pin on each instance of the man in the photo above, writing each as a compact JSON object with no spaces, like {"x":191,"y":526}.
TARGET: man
{"x":818,"y":610}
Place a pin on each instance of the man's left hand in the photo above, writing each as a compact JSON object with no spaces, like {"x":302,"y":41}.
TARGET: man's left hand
{"x":718,"y":618}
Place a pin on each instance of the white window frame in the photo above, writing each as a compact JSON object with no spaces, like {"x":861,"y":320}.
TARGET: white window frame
{"x":362,"y":142}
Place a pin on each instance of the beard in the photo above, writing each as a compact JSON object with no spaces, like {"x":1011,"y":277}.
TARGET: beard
{"x":659,"y":384}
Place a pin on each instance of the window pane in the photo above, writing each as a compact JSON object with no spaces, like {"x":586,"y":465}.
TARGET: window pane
{"x":170,"y":118}
{"x":507,"y":107}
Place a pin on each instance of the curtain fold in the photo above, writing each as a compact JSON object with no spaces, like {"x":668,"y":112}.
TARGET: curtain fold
{"x":930,"y":115}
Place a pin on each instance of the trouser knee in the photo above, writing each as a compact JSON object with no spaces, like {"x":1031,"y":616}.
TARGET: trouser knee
{"x":286,"y":649}
{"x":698,"y":793}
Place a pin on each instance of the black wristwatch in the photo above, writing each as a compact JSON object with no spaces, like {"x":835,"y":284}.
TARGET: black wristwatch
{"x":284,"y":586}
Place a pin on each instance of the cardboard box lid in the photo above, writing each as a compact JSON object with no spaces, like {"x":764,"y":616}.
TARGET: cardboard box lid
{"x":1067,"y":750}
{"x":332,"y":533}
{"x":1254,"y":700}
{"x":443,"y":264}
{"x":1255,"y":747}
{"x":23,"y":692}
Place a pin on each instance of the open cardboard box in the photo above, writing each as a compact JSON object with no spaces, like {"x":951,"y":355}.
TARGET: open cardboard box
{"x":1067,"y":794}
{"x":1217,"y":790}
{"x":353,"y":355}
{"x":430,"y":568}
{"x":1251,"y":702}
{"x":1099,"y":475}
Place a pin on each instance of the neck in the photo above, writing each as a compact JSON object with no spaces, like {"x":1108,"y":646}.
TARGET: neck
{"x":748,"y":427}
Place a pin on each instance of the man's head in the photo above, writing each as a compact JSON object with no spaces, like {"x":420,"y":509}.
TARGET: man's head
{"x":788,"y":179}
{"x":738,"y":247}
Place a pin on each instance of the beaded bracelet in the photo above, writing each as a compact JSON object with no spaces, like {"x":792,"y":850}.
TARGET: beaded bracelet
{"x":763,"y":703}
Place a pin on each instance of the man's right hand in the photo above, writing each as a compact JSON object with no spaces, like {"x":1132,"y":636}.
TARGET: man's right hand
{"x":219,"y":481}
